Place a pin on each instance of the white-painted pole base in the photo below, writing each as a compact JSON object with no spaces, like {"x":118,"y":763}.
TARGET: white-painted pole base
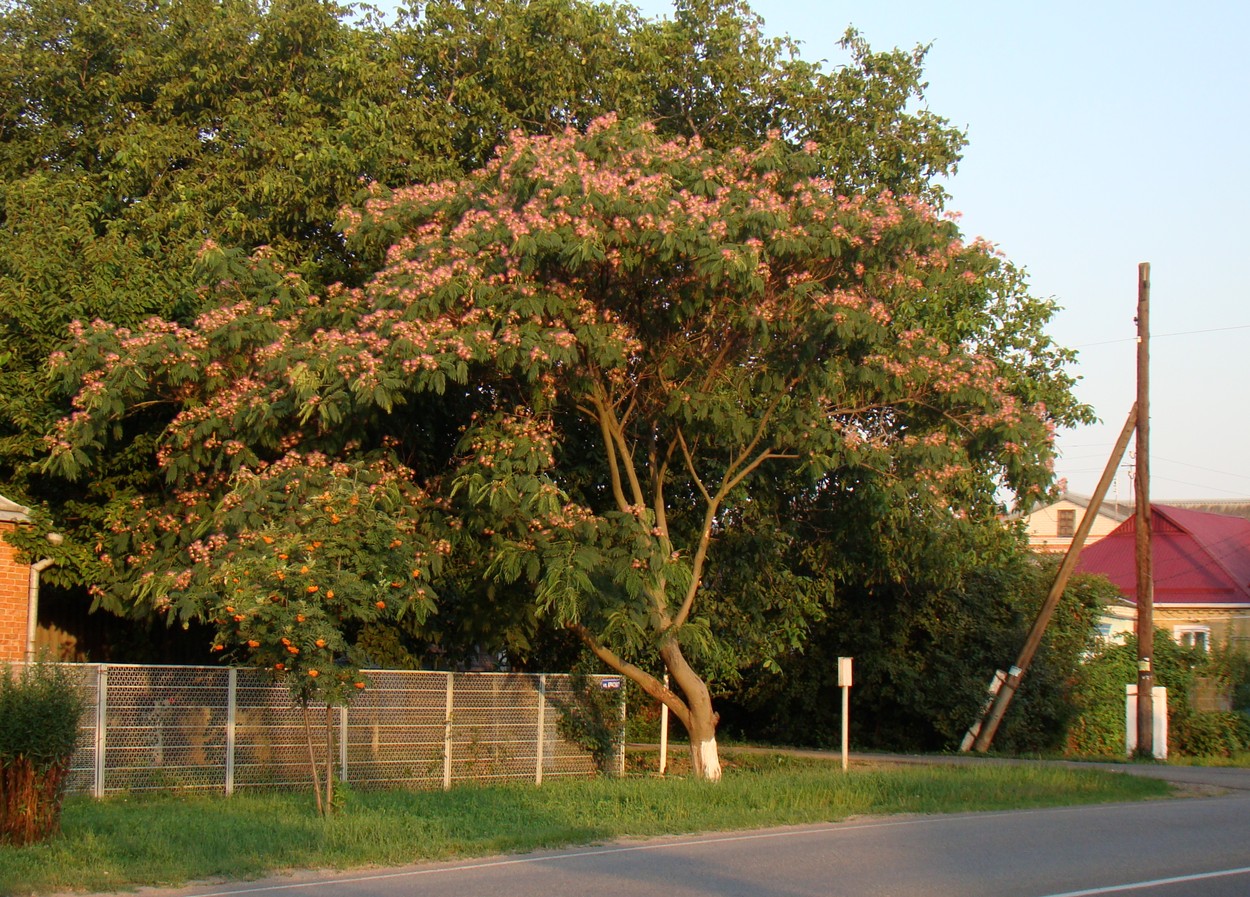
{"x":709,"y":759}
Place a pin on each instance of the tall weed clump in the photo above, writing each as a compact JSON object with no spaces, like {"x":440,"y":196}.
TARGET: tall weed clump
{"x":40,"y":707}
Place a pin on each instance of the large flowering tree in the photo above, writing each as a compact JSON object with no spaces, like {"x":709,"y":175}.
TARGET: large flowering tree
{"x":650,"y":340}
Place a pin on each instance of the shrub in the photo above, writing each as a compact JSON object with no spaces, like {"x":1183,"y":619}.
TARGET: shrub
{"x":1212,"y":734}
{"x":1099,"y":726}
{"x":40,"y":706}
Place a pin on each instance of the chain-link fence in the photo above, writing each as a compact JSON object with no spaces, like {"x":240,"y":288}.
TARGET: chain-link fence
{"x":154,"y":727}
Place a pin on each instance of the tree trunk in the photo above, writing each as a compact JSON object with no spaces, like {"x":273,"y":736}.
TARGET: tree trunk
{"x":695,"y":712}
{"x":704,"y":756}
{"x":312,"y":764}
{"x":329,"y":802}
{"x":699,"y":718}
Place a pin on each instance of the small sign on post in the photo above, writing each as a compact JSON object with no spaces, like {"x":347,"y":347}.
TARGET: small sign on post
{"x":844,"y":683}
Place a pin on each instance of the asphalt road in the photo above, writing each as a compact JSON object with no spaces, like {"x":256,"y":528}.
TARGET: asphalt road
{"x":1195,"y":847}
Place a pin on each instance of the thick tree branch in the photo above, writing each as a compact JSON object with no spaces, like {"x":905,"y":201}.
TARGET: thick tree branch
{"x":614,"y":467}
{"x":648,"y":683}
{"x":744,"y":465}
{"x":619,"y":450}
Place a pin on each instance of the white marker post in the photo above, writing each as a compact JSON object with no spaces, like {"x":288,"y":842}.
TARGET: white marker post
{"x":844,"y":683}
{"x":664,"y":732}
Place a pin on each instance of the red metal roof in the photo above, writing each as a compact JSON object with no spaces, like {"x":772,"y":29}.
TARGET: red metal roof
{"x":1199,"y":557}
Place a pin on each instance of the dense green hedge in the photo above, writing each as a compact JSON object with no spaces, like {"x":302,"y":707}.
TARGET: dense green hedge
{"x":1098,"y":729}
{"x":925,"y":653}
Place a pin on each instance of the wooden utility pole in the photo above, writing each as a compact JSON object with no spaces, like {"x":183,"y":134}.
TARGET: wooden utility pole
{"x":982,"y":731}
{"x":1145,"y":565}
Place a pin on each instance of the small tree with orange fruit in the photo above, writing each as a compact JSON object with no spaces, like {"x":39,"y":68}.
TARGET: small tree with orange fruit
{"x":300,"y":556}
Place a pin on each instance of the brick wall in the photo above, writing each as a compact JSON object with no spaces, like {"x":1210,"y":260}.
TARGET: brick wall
{"x":14,"y":599}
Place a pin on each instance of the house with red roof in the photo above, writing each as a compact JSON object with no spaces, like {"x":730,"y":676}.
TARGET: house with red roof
{"x":1201,"y":575}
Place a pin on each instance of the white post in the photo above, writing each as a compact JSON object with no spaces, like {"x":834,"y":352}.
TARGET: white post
{"x":542,"y":725}
{"x":232,"y":711}
{"x":447,"y":734}
{"x":664,"y":732}
{"x":101,"y":726}
{"x":844,"y":683}
{"x":1160,"y":719}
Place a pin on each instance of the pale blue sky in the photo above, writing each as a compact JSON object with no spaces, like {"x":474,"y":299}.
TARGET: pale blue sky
{"x":1101,"y":135}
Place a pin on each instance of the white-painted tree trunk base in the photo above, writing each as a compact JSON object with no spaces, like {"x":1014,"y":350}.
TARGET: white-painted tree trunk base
{"x":709,"y":759}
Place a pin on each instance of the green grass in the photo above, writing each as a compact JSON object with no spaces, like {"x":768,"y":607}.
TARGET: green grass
{"x":126,"y":842}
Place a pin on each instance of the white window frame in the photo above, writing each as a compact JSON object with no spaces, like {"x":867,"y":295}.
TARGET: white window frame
{"x":1193,"y":636}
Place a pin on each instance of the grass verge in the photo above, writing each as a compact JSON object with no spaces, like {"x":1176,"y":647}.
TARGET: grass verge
{"x":171,"y":839}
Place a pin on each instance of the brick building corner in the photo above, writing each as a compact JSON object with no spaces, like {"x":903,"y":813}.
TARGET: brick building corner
{"x":14,"y":585}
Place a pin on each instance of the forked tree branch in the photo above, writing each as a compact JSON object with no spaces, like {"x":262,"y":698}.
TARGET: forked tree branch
{"x":648,"y":683}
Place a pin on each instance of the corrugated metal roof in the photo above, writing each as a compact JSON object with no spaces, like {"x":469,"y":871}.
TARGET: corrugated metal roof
{"x":1213,"y":506}
{"x":1199,"y":557}
{"x":12,"y":512}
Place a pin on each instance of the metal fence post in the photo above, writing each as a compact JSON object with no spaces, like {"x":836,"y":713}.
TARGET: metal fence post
{"x":101,"y":725}
{"x":624,"y":718}
{"x":447,"y":745}
{"x":343,"y":743}
{"x":542,"y":726}
{"x":232,"y":713}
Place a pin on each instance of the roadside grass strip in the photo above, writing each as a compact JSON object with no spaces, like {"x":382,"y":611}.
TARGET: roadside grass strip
{"x":170,"y":839}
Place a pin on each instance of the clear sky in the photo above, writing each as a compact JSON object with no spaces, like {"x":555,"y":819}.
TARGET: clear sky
{"x":1101,"y":135}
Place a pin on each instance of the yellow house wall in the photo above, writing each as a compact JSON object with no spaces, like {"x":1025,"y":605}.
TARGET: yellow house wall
{"x":1043,"y":527}
{"x":1229,"y":627}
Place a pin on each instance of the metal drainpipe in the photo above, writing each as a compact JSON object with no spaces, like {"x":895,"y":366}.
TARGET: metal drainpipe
{"x":32,"y":606}
{"x":32,"y":602}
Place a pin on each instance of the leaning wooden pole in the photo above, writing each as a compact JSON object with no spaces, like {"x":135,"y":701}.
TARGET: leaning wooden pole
{"x":987,"y":727}
{"x":1142,"y":522}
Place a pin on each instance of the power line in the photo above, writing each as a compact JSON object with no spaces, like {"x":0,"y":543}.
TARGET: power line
{"x":1064,"y":460}
{"x":1223,"y":473}
{"x":1232,"y":492}
{"x":1133,"y":339}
